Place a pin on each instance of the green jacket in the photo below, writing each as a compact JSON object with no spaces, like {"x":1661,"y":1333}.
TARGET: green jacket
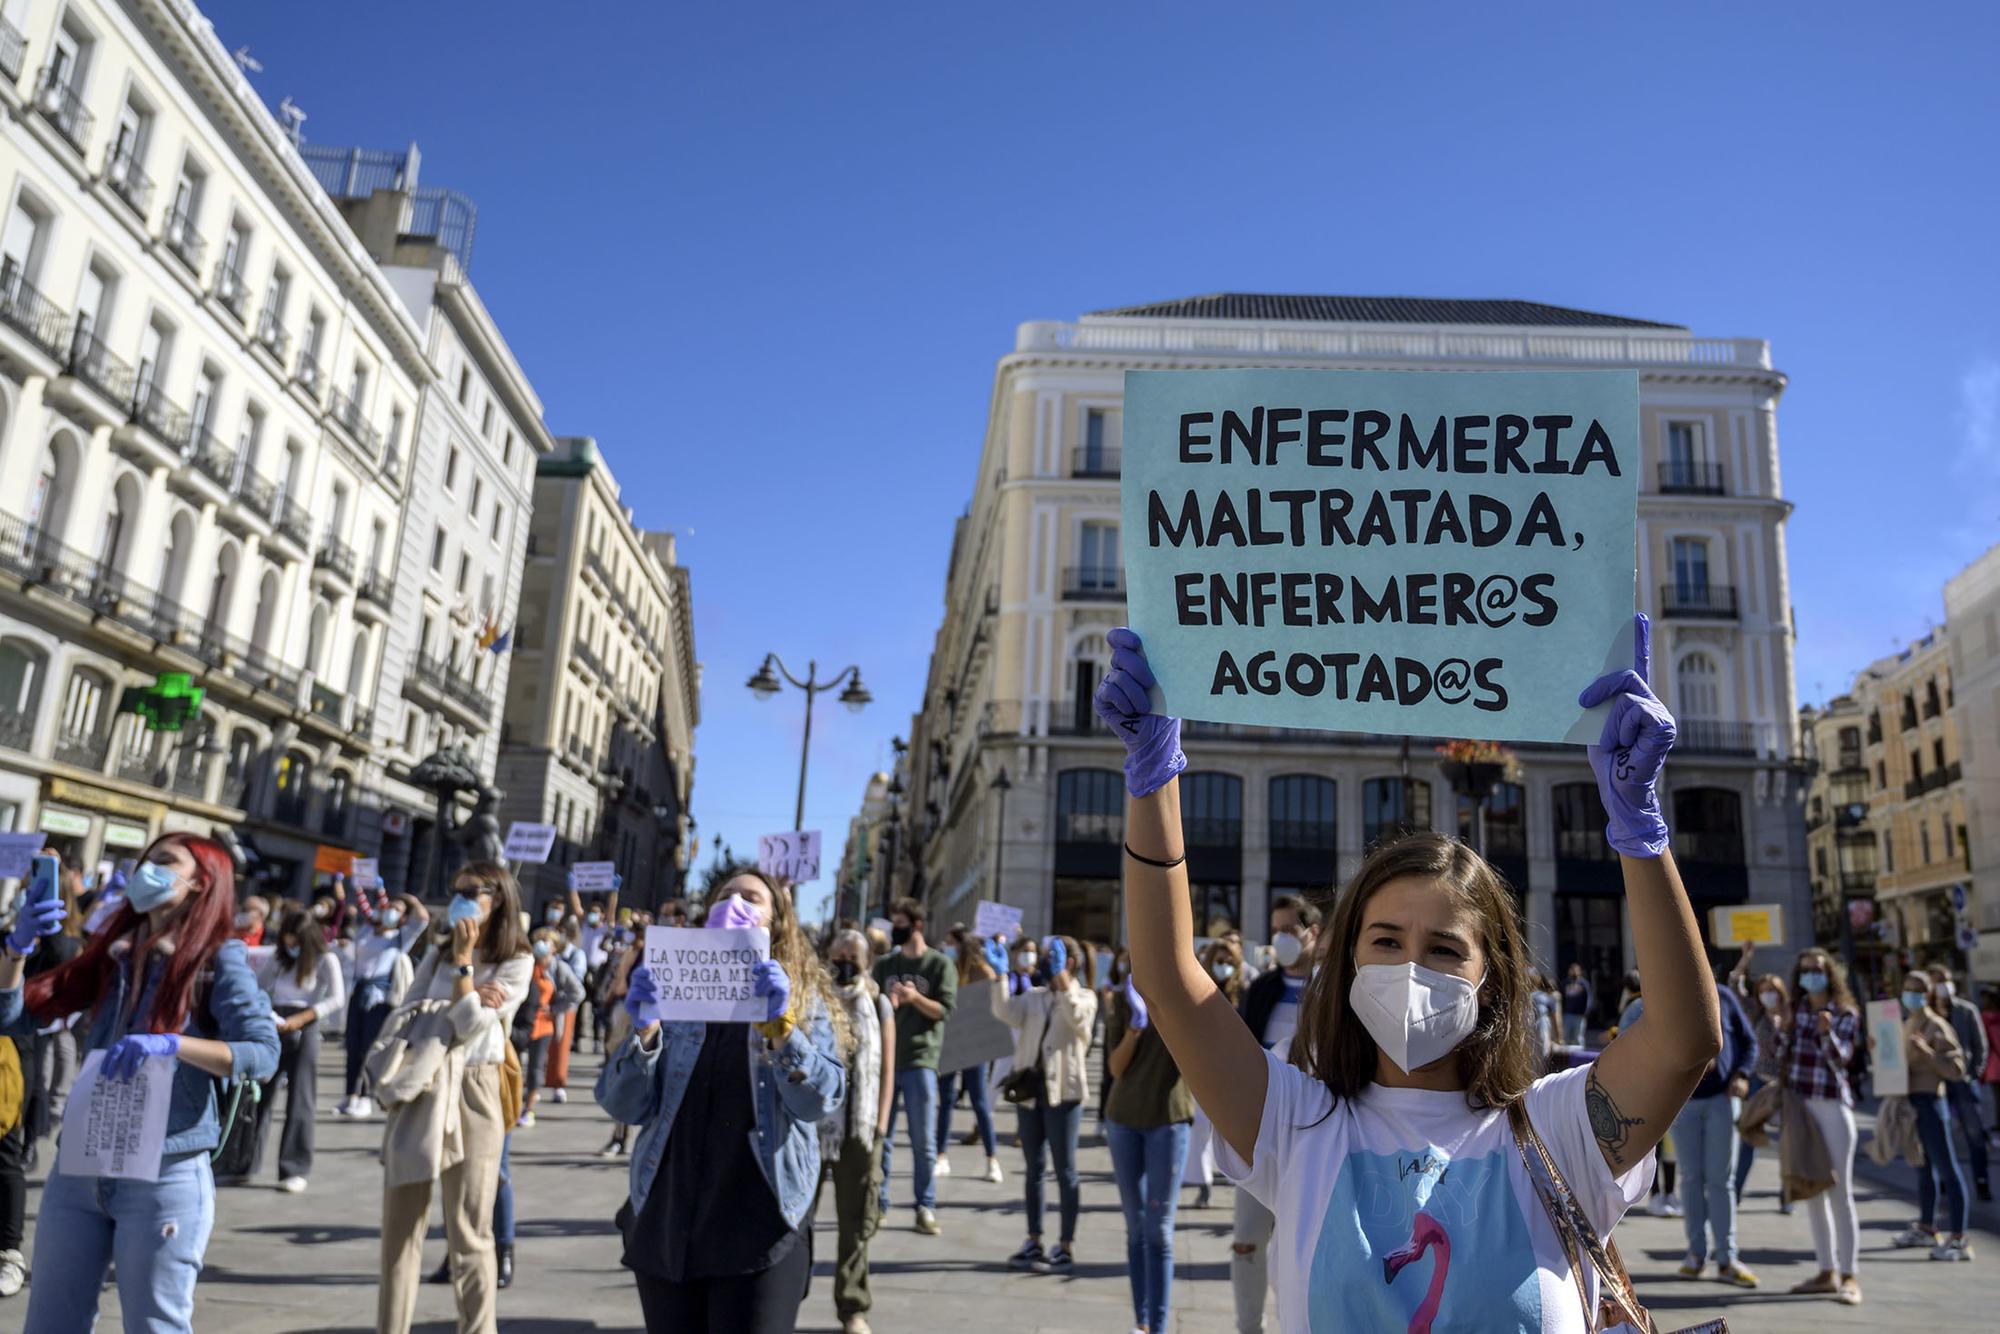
{"x":934,"y":975}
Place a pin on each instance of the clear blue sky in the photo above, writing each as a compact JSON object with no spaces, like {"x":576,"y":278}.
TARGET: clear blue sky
{"x":769,"y":253}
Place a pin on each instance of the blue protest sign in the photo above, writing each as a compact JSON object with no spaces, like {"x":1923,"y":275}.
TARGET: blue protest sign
{"x":1429,"y":553}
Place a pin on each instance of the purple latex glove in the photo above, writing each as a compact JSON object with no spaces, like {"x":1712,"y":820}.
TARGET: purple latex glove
{"x":1152,"y":740}
{"x":773,"y":985}
{"x":642,"y":998}
{"x":1629,"y":755}
{"x":1057,"y":956}
{"x":996,"y":955}
{"x":127,"y":1054}
{"x":733,"y":911}
{"x":1137,"y":1005}
{"x":35,"y":920}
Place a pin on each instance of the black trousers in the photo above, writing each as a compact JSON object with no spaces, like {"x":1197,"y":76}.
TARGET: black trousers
{"x":766,"y":1302}
{"x":13,"y":1185}
{"x":298,"y":1066}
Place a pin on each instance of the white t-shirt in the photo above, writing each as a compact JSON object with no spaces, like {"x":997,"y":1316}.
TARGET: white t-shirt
{"x":1406,"y":1209}
{"x":1284,"y":1020}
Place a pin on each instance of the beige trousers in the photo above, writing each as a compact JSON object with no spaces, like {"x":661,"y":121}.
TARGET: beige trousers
{"x":469,"y":1189}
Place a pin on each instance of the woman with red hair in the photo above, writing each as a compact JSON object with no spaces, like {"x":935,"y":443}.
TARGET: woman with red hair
{"x":163,"y":980}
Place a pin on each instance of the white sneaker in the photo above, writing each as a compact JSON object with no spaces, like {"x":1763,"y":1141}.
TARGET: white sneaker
{"x":558,"y":1095}
{"x":927,"y":1222}
{"x":342,"y":1107}
{"x":13,"y":1273}
{"x":1916,"y":1236}
{"x":526,"y":1121}
{"x":1656,"y":1205}
{"x":993,"y":1172}
{"x":361,"y":1106}
{"x":942,"y":1167}
{"x":1953,"y":1248}
{"x":1673,"y":1206}
{"x":292,"y":1185}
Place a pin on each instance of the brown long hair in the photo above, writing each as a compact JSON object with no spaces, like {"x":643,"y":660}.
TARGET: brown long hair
{"x":1498,"y":1058}
{"x":199,"y":931}
{"x":792,"y":950}
{"x":302,"y":926}
{"x":1837,"y":993}
{"x":972,"y":965}
{"x":500,"y":935}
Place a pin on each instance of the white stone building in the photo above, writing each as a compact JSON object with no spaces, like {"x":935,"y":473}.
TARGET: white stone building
{"x":206,"y":396}
{"x":464,"y":534}
{"x":1036,"y":579}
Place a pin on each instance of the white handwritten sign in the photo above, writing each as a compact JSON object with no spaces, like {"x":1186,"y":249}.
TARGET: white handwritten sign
{"x":996,"y":921}
{"x":793,"y":856}
{"x":588,"y":876}
{"x":117,"y":1127}
{"x":706,"y":976}
{"x":529,"y":842}
{"x":1889,"y":1075}
{"x":367,"y":873}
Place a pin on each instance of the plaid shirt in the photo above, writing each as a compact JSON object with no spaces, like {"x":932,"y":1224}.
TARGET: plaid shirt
{"x":1815,"y":1064}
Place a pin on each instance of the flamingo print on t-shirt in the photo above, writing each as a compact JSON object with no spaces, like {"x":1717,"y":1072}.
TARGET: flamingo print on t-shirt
{"x":1406,"y":1211}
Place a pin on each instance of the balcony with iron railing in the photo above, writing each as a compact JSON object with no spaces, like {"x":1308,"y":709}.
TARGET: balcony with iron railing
{"x":1094,"y":583}
{"x":326,"y":702}
{"x":1303,"y":835}
{"x":212,"y":459}
{"x":438,"y":676}
{"x":99,"y":367}
{"x":167,"y":421}
{"x":1857,"y":882}
{"x":1709,"y":736}
{"x":343,"y":410}
{"x":27,"y":311}
{"x":13,"y":51}
{"x":63,"y":108}
{"x":336,"y":558}
{"x":1710,"y":601}
{"x":184,"y":242}
{"x":1931,"y":706}
{"x":377,"y":588}
{"x":308,"y":375}
{"x":1088,"y":462}
{"x":271,"y":335}
{"x":1847,"y":760}
{"x":84,"y":749}
{"x":127,"y":179}
{"x":1683,"y":477}
{"x":143,"y":766}
{"x":191,"y":773}
{"x":230,"y":288}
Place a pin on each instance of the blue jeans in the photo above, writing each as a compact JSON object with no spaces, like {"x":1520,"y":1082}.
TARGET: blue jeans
{"x":503,"y":1198}
{"x":1940,"y":1164}
{"x":1573,"y":1030}
{"x":1148,"y":1165}
{"x":1705,"y":1144}
{"x":916,"y":1099}
{"x":1054,"y":1127}
{"x":1746,"y":1152}
{"x":974,"y":1077}
{"x":1964,"y":1100}
{"x":155,"y":1230}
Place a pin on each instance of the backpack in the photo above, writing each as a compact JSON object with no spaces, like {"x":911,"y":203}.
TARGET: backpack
{"x":13,"y":1086}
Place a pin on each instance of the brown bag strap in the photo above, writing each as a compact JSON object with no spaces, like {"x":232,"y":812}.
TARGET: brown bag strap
{"x":1579,"y":1237}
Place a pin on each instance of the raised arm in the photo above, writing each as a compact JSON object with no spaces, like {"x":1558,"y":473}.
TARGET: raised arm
{"x":1218,"y":1056}
{"x":1644,"y":1077}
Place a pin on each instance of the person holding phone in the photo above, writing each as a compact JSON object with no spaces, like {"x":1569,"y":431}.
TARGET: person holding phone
{"x":160,"y":980}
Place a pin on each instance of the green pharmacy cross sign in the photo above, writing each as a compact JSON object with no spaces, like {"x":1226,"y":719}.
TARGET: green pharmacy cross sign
{"x":167,"y":704}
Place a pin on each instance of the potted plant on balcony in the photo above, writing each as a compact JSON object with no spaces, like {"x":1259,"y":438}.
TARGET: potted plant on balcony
{"x":1473,"y":767}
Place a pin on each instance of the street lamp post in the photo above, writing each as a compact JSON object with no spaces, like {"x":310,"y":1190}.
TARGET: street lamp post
{"x":764,"y":684}
{"x":1003,"y":786}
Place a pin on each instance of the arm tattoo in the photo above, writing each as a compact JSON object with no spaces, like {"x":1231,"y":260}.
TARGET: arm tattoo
{"x":1612,"y":1128}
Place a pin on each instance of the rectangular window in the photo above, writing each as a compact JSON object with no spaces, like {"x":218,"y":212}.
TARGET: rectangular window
{"x":248,"y":434}
{"x":183,"y":219}
{"x":437,"y":550}
{"x":395,"y":431}
{"x":1924,"y":842}
{"x":486,"y":421}
{"x":451,"y":469}
{"x":478,"y":494}
{"x":464,"y":386}
{"x":464,"y":570}
{"x":1937,"y":753}
{"x":202,"y":418}
{"x":507,"y":452}
{"x":499,"y":519}
{"x":1098,"y":564}
{"x":1690,"y":562}
{"x":229,"y":273}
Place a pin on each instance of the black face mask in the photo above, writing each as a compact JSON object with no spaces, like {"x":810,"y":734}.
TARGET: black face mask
{"x":900,"y":935}
{"x":845,"y":971}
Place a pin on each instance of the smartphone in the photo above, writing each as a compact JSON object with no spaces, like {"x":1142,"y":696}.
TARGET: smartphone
{"x":42,"y":884}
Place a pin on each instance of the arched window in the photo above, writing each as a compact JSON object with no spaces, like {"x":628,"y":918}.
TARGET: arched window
{"x":180,"y":551}
{"x":1391,"y":807}
{"x":222,"y":590}
{"x":316,"y":637}
{"x":242,"y":758}
{"x":1090,"y":806}
{"x":197,"y":745}
{"x":85,"y":733}
{"x":1700,"y":688}
{"x":265,"y":624}
{"x":294,"y":785}
{"x":22,"y":666}
{"x":55,"y":482}
{"x":115,"y":551}
{"x":357,"y":664}
{"x":1579,"y":816}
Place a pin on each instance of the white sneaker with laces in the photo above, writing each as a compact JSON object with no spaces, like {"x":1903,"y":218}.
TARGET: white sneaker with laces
{"x":361,"y":1106}
{"x":13,"y":1272}
{"x":292,"y":1185}
{"x":1952,"y":1248}
{"x":993,"y":1173}
{"x":1916,"y":1236}
{"x":942,"y":1167}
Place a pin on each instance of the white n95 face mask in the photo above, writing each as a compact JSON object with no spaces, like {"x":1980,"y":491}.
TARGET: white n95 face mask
{"x":1415,"y":1014}
{"x":1287,"y":948}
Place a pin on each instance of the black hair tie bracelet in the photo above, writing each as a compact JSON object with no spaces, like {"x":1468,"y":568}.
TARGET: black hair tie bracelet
{"x":1164,"y":866}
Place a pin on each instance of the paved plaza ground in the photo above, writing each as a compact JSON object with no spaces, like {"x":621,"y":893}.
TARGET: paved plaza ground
{"x":306,"y":1264}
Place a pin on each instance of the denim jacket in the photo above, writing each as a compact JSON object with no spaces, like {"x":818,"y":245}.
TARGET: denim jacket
{"x":238,"y":1014}
{"x":796,"y":1085}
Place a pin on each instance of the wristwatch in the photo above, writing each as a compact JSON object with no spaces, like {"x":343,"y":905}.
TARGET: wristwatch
{"x":463,"y":970}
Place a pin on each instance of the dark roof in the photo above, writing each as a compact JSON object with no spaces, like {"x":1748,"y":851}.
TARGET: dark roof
{"x":1377,"y":310}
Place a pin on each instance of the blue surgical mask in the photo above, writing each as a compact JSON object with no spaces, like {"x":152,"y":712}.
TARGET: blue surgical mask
{"x":462,"y":909}
{"x":1814,"y":982}
{"x":150,"y":886}
{"x":1223,"y":971}
{"x":1914,"y":1001}
{"x":389,"y":919}
{"x":541,"y":949}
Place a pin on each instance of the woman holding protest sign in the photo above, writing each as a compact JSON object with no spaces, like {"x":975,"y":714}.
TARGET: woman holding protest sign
{"x":480,"y":969}
{"x":1050,"y":1082}
{"x":973,"y":966}
{"x":728,"y":1155}
{"x":161,"y":979}
{"x":1413,"y":1054}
